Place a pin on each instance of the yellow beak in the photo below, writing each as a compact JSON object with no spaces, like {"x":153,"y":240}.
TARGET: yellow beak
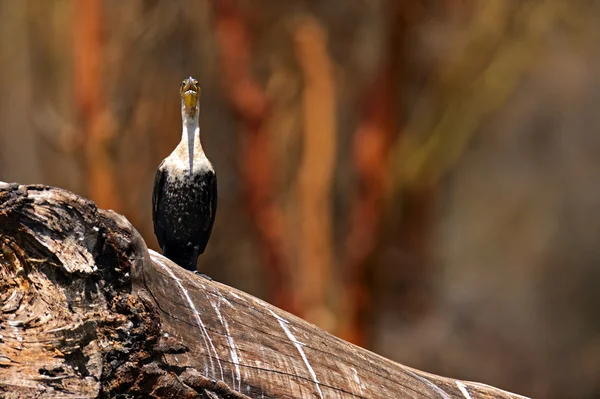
{"x":190,"y":93}
{"x":190,"y":98}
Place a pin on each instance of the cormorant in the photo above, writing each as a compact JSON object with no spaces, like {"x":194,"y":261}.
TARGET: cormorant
{"x":184,"y":201}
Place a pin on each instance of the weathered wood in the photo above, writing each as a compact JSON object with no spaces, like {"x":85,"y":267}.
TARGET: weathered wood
{"x":87,"y":311}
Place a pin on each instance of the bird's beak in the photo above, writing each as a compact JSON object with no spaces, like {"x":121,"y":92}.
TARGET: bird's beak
{"x":190,"y":92}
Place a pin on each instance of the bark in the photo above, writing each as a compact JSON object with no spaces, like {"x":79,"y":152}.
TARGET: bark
{"x":86,"y":311}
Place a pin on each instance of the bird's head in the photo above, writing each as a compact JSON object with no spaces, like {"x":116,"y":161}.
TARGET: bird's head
{"x":190,"y":97}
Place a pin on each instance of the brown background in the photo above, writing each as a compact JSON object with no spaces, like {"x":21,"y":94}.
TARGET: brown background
{"x":420,"y":177}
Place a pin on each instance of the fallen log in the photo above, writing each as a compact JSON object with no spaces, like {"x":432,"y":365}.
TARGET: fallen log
{"x":87,"y":311}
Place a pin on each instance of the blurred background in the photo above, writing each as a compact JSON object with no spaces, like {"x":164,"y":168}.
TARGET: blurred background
{"x":419,"y":177}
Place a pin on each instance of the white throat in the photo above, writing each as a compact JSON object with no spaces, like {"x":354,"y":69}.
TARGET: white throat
{"x":190,"y":140}
{"x":188,"y":157}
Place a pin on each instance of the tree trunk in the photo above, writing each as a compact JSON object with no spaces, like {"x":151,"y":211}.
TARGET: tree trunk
{"x":86,"y":310}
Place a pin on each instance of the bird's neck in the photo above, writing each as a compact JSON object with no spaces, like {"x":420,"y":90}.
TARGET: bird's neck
{"x":190,"y":146}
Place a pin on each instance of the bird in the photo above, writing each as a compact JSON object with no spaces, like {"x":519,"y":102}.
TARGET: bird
{"x":184,"y":198}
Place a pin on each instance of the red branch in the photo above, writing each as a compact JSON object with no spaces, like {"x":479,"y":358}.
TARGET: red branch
{"x":372,"y":144}
{"x":250,"y":103}
{"x":90,"y":98}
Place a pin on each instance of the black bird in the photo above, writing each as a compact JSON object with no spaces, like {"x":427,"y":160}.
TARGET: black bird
{"x":184,"y":201}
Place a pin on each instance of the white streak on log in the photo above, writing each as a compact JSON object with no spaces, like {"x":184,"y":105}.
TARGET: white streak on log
{"x":218,"y":312}
{"x":489,"y":387}
{"x":227,"y":302}
{"x":235,"y":356}
{"x":232,"y":349}
{"x":207,"y":339}
{"x":283,"y":323}
{"x":463,"y":389}
{"x":357,"y":380}
{"x":439,"y":390}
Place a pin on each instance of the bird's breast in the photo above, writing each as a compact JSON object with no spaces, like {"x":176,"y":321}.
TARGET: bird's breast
{"x":185,"y":204}
{"x":180,"y":169}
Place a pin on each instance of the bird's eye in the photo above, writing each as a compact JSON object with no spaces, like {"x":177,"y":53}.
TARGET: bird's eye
{"x":195,"y":83}
{"x":183,"y":83}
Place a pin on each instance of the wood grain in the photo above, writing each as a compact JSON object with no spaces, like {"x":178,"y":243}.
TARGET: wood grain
{"x":87,"y":311}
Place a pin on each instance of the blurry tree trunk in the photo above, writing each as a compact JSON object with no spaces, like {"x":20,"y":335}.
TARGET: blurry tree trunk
{"x":98,"y":127}
{"x":87,"y":311}
{"x":315,"y":175}
{"x":17,"y":141}
{"x":413,"y":236}
{"x":373,"y":140}
{"x":257,"y":166}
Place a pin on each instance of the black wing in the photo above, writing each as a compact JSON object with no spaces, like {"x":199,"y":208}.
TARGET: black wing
{"x":211,"y":195}
{"x":159,"y":181}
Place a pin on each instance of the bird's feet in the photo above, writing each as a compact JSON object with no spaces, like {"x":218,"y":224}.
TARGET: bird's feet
{"x":203,"y":275}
